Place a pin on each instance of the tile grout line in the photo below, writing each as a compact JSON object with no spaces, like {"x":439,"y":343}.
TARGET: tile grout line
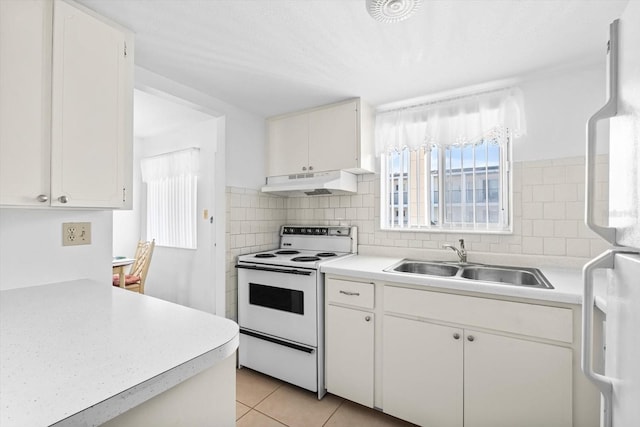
{"x":263,"y":399}
{"x":242,"y":416}
{"x":333,"y":413}
{"x":269,"y":416}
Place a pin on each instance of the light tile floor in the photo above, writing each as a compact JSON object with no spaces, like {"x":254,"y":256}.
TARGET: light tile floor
{"x":265,"y":402}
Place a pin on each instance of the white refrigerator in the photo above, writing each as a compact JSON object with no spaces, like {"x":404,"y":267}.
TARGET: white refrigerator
{"x":620,"y":381}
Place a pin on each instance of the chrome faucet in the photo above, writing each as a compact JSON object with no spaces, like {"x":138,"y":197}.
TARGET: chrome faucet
{"x":462,"y":252}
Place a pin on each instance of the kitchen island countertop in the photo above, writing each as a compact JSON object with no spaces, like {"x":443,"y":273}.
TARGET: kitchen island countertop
{"x":82,"y":352}
{"x":567,"y":283}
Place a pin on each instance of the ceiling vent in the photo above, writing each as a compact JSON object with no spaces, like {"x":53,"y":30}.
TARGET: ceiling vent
{"x":392,"y":10}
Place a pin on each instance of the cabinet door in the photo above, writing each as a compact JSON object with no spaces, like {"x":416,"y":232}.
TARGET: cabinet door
{"x":333,"y":138}
{"x":25,"y":101}
{"x":349,"y":354}
{"x":288,"y":151}
{"x":513,"y":382}
{"x":422,"y":376}
{"x":92,"y":104}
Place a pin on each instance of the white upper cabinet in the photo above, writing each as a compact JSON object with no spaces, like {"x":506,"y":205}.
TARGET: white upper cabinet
{"x":288,"y":145}
{"x":92,"y":99}
{"x":25,"y":101}
{"x":333,"y":137}
{"x":82,"y":153}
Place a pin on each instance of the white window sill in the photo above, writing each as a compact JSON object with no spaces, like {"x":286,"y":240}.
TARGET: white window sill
{"x":447,"y":230}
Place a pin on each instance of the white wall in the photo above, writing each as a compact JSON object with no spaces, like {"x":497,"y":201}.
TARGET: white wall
{"x":557,"y":106}
{"x":31,"y":251}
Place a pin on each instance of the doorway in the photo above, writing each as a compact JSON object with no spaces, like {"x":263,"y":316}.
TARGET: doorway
{"x":163,"y":124}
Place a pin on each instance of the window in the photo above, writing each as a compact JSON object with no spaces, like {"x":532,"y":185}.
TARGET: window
{"x":474,"y":193}
{"x":172,"y":181}
{"x":447,"y":167}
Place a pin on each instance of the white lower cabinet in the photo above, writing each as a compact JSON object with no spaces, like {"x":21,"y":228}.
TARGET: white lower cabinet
{"x":439,"y":359}
{"x":515,"y":382}
{"x":440,"y":369}
{"x":443,"y":376}
{"x":350,"y":340}
{"x":349,"y":347}
{"x":422,"y":372}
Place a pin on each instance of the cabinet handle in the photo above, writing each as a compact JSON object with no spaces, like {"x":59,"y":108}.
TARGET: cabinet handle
{"x":42,"y":198}
{"x":304,"y":168}
{"x":368,"y":318}
{"x":63,"y":199}
{"x":357,"y":294}
{"x":456,"y":336}
{"x":310,"y":168}
{"x":471,"y":338}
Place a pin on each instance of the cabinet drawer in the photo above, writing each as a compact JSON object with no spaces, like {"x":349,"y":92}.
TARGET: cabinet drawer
{"x":519,"y":318}
{"x":358,"y":294}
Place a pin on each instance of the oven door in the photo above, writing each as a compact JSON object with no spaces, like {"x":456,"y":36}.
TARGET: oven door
{"x":279,"y":301}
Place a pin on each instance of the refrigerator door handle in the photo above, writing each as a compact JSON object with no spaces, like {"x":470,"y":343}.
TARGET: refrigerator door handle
{"x":604,"y":384}
{"x":610,"y":109}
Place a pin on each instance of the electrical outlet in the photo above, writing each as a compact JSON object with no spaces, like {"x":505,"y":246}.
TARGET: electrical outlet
{"x":76,"y":233}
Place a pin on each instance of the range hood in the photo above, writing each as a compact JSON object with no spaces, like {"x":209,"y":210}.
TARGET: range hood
{"x":312,"y":184}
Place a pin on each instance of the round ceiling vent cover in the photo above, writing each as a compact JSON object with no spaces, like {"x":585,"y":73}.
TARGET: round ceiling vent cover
{"x":392,"y":10}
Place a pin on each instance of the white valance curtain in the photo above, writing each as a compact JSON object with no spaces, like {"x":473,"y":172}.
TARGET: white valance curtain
{"x":172,"y":180}
{"x":169,"y":165}
{"x":461,"y":120}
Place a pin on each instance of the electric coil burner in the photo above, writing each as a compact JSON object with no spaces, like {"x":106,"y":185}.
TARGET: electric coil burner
{"x":265,"y":255}
{"x":305,"y":258}
{"x":281,"y":303}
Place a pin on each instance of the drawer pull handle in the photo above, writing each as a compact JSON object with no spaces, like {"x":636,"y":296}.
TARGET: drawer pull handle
{"x":471,"y":338}
{"x":368,"y":318}
{"x":456,"y":336}
{"x":357,"y":294}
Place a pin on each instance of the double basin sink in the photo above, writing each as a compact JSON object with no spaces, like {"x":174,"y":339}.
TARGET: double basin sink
{"x":517,"y":276}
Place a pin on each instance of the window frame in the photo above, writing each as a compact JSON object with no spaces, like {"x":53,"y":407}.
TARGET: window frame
{"x":505,"y":196}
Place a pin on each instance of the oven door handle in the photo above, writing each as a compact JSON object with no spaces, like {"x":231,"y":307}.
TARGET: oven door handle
{"x":275,"y":270}
{"x":277,"y":341}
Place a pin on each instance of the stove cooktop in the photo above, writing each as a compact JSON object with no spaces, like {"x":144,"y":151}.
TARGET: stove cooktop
{"x":291,"y":257}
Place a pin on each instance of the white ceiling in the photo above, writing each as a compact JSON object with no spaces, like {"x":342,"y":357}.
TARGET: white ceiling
{"x":276,"y":56}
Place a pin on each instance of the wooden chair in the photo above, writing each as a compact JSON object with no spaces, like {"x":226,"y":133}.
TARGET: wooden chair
{"x":134,"y":281}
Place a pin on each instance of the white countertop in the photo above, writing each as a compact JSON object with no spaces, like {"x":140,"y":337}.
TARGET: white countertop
{"x":567,"y":283}
{"x":82,"y":352}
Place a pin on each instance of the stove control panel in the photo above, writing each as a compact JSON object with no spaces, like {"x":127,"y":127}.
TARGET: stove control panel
{"x":315,"y":231}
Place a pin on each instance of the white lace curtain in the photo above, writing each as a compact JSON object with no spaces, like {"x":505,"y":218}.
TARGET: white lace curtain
{"x":462,"y":120}
{"x":172,"y":181}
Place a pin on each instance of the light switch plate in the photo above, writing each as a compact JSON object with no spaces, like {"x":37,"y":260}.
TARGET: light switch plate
{"x":76,"y":233}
